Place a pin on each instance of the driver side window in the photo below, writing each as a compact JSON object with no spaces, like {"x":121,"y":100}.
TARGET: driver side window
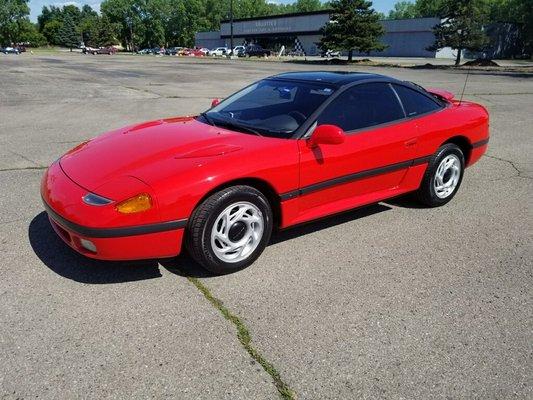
{"x":363,"y":106}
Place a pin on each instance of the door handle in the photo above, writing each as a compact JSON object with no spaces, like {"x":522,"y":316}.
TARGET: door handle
{"x":411,"y":142}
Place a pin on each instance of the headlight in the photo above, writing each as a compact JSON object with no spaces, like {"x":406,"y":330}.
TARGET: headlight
{"x":135,"y":204}
{"x":95,"y":200}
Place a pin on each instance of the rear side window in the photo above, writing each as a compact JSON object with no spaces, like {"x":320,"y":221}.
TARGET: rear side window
{"x":414,"y":102}
{"x":362,"y":106}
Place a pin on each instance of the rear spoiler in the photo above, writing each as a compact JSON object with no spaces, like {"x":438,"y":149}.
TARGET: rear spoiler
{"x":444,"y":94}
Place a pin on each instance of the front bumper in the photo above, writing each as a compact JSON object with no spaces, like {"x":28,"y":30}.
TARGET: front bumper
{"x":76,"y":223}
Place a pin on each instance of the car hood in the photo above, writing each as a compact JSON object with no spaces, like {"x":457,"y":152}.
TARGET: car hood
{"x":138,"y":150}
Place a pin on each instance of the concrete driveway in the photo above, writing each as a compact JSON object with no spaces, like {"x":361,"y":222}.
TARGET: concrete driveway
{"x":389,"y":301}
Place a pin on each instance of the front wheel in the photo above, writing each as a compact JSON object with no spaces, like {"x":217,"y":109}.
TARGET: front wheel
{"x":443,"y":176}
{"x":230,"y":229}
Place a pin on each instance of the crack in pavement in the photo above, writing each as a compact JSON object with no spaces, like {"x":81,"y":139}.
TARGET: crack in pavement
{"x":38,"y":168}
{"x":26,"y":158}
{"x":519,"y":173}
{"x":161,"y":96}
{"x":498,"y":94}
{"x":244,"y":336}
{"x":141,"y":90}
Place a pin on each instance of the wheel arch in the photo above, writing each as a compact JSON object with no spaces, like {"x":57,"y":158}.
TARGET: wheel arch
{"x":257,"y":183}
{"x":464,"y":144}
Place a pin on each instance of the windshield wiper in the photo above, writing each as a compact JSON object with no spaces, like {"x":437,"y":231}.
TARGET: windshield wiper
{"x":208,"y":119}
{"x":245,"y":128}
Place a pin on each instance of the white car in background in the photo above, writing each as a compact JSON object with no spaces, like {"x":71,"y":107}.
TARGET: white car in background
{"x":219,"y":51}
{"x":238,"y":51}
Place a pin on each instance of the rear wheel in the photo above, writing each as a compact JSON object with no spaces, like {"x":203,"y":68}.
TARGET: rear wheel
{"x":443,"y":176}
{"x":230,"y":229}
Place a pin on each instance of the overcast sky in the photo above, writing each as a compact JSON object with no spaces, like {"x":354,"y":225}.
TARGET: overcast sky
{"x":36,"y":5}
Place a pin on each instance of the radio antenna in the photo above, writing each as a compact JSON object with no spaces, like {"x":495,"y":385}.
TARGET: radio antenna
{"x":464,"y":86}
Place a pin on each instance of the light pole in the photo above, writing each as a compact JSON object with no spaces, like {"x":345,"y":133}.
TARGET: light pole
{"x":231,"y":27}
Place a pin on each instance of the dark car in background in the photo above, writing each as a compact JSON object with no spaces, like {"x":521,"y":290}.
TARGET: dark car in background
{"x":9,"y":50}
{"x":172,"y":51}
{"x":254,"y":50}
{"x":154,"y":50}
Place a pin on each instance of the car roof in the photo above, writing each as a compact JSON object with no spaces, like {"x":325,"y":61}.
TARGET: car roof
{"x":338,"y":78}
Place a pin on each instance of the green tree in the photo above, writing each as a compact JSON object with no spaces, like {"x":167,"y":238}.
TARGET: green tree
{"x":12,"y":12}
{"x":128,"y":14}
{"x":461,"y":27}
{"x":106,"y":32}
{"x":519,"y":12}
{"x":68,"y":33}
{"x":307,"y":5}
{"x":429,"y":8}
{"x":88,"y":29}
{"x":353,"y":25}
{"x":29,"y":33}
{"x":88,"y":25}
{"x":47,"y":15}
{"x":403,"y":10}
{"x":87,"y":12}
{"x":51,"y":31}
{"x":72,"y":12}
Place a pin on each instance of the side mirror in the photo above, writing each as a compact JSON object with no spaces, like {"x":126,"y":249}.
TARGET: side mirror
{"x":326,"y":134}
{"x":215,"y":102}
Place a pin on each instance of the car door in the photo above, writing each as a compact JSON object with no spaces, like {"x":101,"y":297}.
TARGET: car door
{"x":378,"y":148}
{"x":433,"y":130}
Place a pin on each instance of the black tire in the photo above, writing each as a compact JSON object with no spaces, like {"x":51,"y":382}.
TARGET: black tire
{"x":198,"y":233}
{"x":426,"y":194}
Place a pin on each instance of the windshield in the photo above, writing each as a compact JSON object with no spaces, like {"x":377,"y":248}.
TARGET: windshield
{"x":269,"y":107}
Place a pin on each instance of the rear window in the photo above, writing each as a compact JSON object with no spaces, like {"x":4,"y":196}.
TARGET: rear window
{"x":415,"y":103}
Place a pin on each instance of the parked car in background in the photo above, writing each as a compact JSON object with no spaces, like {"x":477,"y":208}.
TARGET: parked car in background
{"x":9,"y":50}
{"x":88,"y":49}
{"x":153,"y":50}
{"x":172,"y":51}
{"x":238,"y":51}
{"x":106,"y":50}
{"x":219,"y":51}
{"x":330,"y":54}
{"x":204,"y":50}
{"x":254,"y":50}
{"x":193,"y":52}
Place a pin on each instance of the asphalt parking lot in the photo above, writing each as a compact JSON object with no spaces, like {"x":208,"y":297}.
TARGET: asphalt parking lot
{"x":391,"y":301}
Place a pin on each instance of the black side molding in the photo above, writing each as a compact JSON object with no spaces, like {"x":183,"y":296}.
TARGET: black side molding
{"x":353,"y":177}
{"x":480,"y":143}
{"x":114,"y":232}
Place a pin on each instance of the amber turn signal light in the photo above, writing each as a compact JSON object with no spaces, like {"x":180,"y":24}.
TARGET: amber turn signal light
{"x":135,"y":204}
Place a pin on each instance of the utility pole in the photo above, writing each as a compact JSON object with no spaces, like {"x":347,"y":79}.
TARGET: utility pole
{"x":231,"y":26}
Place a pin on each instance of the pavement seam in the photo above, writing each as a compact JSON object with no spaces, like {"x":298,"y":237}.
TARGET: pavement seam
{"x":245,"y":338}
{"x":498,"y":94}
{"x":39,"y":168}
{"x":518,"y":171}
{"x":26,"y":158}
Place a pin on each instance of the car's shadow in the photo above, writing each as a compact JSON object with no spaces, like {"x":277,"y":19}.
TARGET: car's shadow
{"x":405,"y":201}
{"x":64,"y":261}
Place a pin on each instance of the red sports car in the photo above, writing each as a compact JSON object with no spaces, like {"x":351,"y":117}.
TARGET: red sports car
{"x":285,"y":150}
